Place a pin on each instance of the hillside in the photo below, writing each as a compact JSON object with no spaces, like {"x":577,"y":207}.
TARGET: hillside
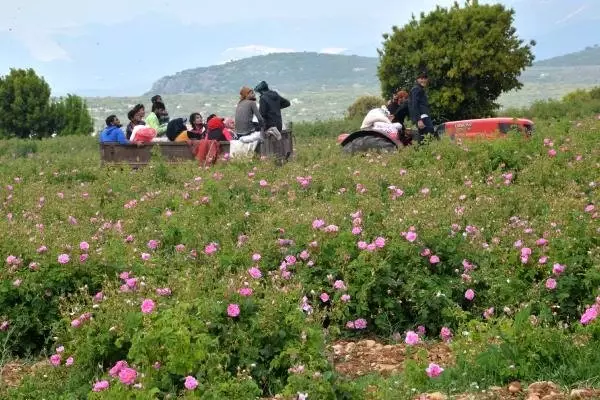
{"x":587,"y":57}
{"x":291,"y":72}
{"x":322,"y":86}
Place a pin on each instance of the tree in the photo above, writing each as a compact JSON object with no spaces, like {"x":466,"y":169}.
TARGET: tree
{"x":471,"y":54}
{"x":70,"y":116}
{"x":24,"y":104}
{"x":363,"y":105}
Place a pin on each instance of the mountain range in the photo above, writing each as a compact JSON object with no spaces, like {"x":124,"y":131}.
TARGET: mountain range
{"x":322,"y":86}
{"x":309,"y":71}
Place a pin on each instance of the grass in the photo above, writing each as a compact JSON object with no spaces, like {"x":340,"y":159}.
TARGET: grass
{"x":469,"y":203}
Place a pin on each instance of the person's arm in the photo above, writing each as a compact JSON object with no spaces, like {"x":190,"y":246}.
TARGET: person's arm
{"x":284,"y":103}
{"x":264,"y":108}
{"x":261,"y":120}
{"x":152,"y":121}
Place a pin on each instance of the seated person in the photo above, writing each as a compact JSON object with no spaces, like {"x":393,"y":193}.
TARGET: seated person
{"x":215,"y":130}
{"x":229,"y":130}
{"x":163,"y":119}
{"x":379,"y":119}
{"x":153,"y":119}
{"x":245,"y":113}
{"x":198,"y":127}
{"x":113,"y":132}
{"x":398,"y":108}
{"x":136,"y":117}
{"x":177,"y":131}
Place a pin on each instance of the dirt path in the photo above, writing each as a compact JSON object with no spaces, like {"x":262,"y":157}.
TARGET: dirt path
{"x":354,"y":359}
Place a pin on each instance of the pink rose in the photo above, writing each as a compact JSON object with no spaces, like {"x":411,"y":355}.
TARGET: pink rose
{"x":148,"y":306}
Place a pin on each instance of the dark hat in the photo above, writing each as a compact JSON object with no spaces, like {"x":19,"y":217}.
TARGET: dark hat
{"x":422,"y":74}
{"x":261,"y":87}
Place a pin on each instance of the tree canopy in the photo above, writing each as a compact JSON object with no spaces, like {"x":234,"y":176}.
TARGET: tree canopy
{"x":26,"y":110}
{"x":472,"y":55}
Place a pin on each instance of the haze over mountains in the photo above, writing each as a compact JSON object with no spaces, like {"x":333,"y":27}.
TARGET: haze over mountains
{"x":322,"y":86}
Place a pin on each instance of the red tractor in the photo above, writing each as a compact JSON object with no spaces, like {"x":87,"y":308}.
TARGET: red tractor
{"x":484,"y":128}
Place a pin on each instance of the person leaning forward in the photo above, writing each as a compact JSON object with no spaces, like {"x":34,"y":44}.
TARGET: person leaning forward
{"x":419,"y":108}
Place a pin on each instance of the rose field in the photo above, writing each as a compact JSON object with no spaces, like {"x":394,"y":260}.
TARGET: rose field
{"x":453,"y":268}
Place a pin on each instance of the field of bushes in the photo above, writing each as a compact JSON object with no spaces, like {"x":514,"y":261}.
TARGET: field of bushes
{"x":237,"y":282}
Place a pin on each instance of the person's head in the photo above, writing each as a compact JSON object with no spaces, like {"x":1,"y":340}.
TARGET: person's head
{"x":401,"y":96}
{"x":156,"y":98}
{"x":112,"y":120}
{"x":247,"y":94}
{"x":196,"y":120}
{"x":261,"y":87}
{"x":229,"y":123}
{"x":159,"y":108}
{"x":215,"y":123}
{"x":138,"y":113}
{"x":423,"y":79}
{"x":211,"y":116}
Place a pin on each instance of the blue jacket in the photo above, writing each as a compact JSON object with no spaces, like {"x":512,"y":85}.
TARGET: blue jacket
{"x":113,"y":134}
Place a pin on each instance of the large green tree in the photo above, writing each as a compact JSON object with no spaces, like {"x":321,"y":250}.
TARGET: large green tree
{"x":472,"y":55}
{"x":26,"y":110}
{"x":24,"y":104}
{"x":71,"y":116}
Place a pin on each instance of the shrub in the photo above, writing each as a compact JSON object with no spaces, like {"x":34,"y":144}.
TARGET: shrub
{"x":363,"y":105}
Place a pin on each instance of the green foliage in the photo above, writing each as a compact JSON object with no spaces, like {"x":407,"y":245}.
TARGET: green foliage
{"x":363,"y":105}
{"x":575,"y":105}
{"x":26,"y":110}
{"x":468,"y":212}
{"x":71,"y":116}
{"x":472,"y":55}
{"x":24,"y":105}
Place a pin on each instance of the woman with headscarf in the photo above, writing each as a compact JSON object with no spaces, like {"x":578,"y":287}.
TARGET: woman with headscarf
{"x":215,"y":130}
{"x":244,"y":113}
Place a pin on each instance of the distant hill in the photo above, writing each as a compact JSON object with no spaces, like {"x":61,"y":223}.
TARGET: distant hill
{"x":313,"y":72}
{"x":322,"y":86}
{"x":588,"y":57}
{"x":290,"y":72}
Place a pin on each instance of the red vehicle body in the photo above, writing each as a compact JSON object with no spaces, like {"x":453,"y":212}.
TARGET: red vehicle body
{"x":486,"y":128}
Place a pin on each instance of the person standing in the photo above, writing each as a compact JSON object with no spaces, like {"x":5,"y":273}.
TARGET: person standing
{"x":270,"y":106}
{"x":419,"y":108}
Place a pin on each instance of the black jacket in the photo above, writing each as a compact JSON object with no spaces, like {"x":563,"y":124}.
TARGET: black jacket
{"x":399,"y":111}
{"x":418,"y":103}
{"x":217,"y":134}
{"x":270,"y":106}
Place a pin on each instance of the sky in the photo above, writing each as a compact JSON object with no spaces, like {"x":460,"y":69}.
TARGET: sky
{"x":121,"y":47}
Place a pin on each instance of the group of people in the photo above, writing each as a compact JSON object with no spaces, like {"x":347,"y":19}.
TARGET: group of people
{"x":250,"y":123}
{"x":391,"y":118}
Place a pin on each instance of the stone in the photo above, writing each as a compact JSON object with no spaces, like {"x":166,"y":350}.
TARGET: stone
{"x":337,"y":349}
{"x":583,"y":394}
{"x":514,"y":387}
{"x":370,"y":343}
{"x":543,"y":387}
{"x":437,"y":396}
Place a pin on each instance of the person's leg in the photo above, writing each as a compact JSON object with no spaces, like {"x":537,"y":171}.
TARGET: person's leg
{"x":429,"y":129}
